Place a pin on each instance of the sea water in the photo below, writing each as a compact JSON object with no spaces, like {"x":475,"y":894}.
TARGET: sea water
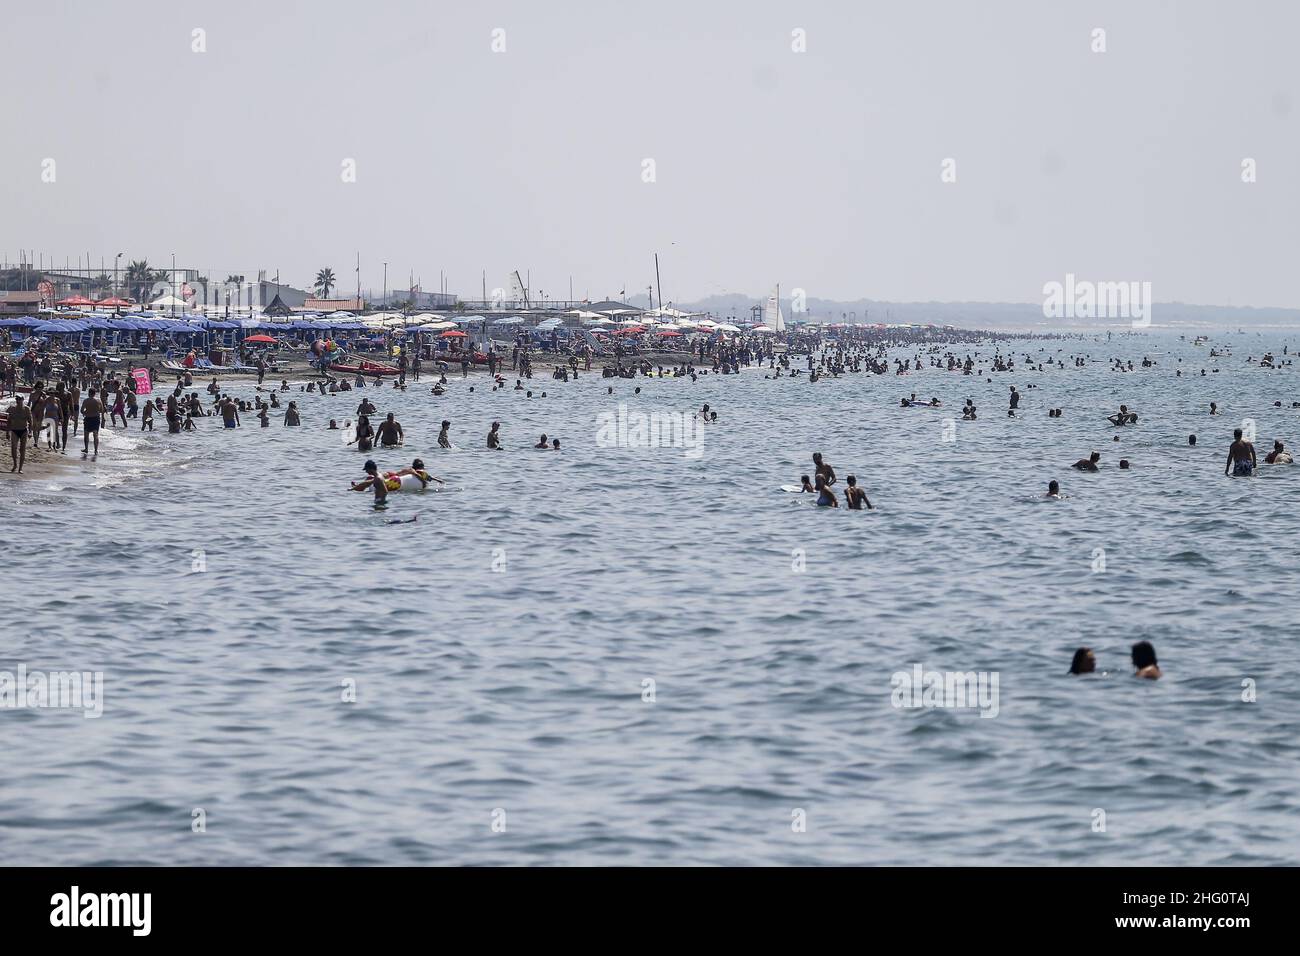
{"x":625,"y":654}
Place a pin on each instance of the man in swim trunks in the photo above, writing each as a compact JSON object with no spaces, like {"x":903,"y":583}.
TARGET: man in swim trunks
{"x":1241,"y":457}
{"x":20,"y":420}
{"x":230,"y":413}
{"x":444,"y":440}
{"x":91,"y":412}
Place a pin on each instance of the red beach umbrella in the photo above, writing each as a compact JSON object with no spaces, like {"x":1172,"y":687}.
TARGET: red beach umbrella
{"x":260,"y":339}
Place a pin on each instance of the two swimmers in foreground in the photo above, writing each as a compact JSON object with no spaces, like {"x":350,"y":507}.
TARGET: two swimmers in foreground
{"x":1142,"y":654}
{"x":391,"y":481}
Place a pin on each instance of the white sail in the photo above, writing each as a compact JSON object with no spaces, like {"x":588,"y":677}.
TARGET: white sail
{"x":772,"y":316}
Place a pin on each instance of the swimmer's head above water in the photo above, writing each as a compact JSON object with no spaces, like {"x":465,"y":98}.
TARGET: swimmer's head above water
{"x":1144,"y":661}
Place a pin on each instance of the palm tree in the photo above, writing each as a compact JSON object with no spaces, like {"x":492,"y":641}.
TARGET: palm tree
{"x":138,"y":278}
{"x":324,"y":282}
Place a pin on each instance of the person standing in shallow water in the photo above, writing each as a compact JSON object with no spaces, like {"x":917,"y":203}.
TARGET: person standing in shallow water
{"x":230,"y":413}
{"x":92,"y":412}
{"x":1241,"y":457}
{"x":494,"y":436}
{"x":854,"y":496}
{"x":823,"y":469}
{"x":825,"y":497}
{"x":20,"y":421}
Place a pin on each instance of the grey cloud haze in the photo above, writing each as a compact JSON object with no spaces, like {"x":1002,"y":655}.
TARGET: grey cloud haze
{"x":818,"y":169}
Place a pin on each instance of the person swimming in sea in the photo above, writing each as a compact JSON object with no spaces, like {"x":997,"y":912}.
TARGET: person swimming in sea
{"x":1144,"y":661}
{"x":542,"y":442}
{"x":1279,"y":455}
{"x":854,"y":496}
{"x":825,"y":497}
{"x":1089,"y":463}
{"x":1054,"y":490}
{"x":1123,"y":417}
{"x":416,"y":470}
{"x":1241,"y":457}
{"x":494,"y":436}
{"x":1084,"y":662}
{"x":806,"y":485}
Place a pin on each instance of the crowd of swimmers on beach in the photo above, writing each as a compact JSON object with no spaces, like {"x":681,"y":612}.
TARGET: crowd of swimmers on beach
{"x":49,"y":413}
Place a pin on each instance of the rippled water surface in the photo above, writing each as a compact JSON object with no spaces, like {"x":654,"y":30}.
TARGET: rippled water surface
{"x":520,"y":688}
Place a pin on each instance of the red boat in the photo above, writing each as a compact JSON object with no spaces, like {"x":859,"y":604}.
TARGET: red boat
{"x":365,"y":368}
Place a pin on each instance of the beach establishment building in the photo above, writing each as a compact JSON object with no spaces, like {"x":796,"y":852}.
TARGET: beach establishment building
{"x":19,"y":303}
{"x":334,"y":305}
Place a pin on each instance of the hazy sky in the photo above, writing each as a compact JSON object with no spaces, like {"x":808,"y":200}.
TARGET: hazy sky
{"x":820,"y":169}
